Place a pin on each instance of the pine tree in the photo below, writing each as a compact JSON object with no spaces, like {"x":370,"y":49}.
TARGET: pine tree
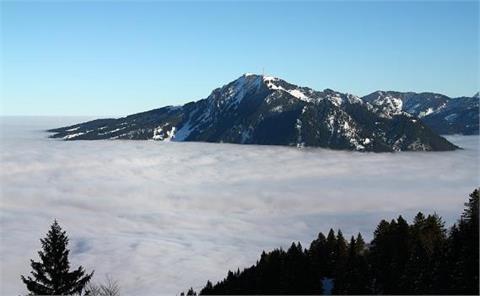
{"x":191,"y":292}
{"x":355,"y":277}
{"x":463,"y":249}
{"x":380,"y":257}
{"x":318,"y":256}
{"x":208,"y":289}
{"x":471,"y":229}
{"x":52,"y":275}
{"x":341,"y":256}
{"x":343,"y":279}
{"x":330,"y":251}
{"x":359,"y":245}
{"x":401,"y":247}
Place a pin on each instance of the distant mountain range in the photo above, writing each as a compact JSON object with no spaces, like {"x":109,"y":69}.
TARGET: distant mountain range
{"x":442,"y":114}
{"x":257,"y":109}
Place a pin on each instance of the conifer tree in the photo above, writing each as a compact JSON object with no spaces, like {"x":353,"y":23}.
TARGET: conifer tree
{"x":471,"y":229}
{"x":427,"y":245}
{"x":52,"y":275}
{"x":341,"y":253}
{"x":208,"y":289}
{"x":340,"y":259}
{"x":380,"y":257}
{"x":191,"y":292}
{"x":355,"y":277}
{"x":359,"y":245}
{"x":317,"y":255}
{"x":330,"y":251}
{"x":463,"y":249}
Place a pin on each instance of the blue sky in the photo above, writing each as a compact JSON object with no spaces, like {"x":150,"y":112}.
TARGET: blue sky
{"x":117,"y":58}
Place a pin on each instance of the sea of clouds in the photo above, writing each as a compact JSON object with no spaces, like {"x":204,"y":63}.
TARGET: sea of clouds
{"x":161,"y":217}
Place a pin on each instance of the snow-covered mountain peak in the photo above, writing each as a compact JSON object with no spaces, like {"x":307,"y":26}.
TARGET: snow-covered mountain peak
{"x":302,"y":93}
{"x":277,"y":84}
{"x":386,"y":103}
{"x":259,"y":109}
{"x":267,"y":78}
{"x":235,"y":91}
{"x":250,"y":83}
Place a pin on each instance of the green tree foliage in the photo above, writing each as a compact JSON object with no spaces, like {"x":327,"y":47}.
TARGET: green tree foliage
{"x":421,"y":258}
{"x":52,"y":275}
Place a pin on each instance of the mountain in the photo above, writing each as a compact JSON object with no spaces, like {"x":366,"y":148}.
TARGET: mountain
{"x":442,"y":114}
{"x":257,"y":109}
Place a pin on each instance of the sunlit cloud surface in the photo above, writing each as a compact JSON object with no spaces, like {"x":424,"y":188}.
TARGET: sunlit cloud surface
{"x":161,"y":217}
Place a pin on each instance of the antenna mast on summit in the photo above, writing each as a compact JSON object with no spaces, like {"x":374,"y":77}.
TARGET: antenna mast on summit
{"x":263,"y":71}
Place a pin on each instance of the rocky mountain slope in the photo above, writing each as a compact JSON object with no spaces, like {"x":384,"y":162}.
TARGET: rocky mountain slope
{"x":442,"y":114}
{"x":256,"y":109}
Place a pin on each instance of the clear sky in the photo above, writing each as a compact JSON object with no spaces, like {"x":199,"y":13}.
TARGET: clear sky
{"x":117,"y":58}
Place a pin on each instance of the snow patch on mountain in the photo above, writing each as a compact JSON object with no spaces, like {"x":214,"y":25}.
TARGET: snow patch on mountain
{"x":353,"y":99}
{"x":451,"y":117}
{"x":233,"y":93}
{"x":277,"y":109}
{"x":336,"y":99}
{"x":298,"y":94}
{"x":388,"y":106}
{"x":162,"y":133}
{"x":295,"y":92}
{"x":72,"y":136}
{"x":426,"y":112}
{"x":298,"y":127}
{"x":184,"y":131}
{"x":112,"y":131}
{"x":73,"y":129}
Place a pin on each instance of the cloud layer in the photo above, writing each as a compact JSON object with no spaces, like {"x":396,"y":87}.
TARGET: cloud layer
{"x":166,"y":216}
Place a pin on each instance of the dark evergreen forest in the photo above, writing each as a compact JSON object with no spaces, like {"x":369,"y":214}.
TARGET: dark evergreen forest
{"x":419,"y":258}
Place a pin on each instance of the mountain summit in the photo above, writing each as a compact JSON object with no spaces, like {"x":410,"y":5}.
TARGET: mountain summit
{"x":258,"y":109}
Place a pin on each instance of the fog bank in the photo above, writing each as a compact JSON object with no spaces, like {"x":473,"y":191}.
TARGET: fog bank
{"x":165,"y":216}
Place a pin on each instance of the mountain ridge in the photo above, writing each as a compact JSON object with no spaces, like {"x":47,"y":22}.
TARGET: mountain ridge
{"x":259,"y":109}
{"x":445,"y":115}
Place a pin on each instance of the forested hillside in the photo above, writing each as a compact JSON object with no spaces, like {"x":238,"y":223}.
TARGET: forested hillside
{"x":419,"y":258}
